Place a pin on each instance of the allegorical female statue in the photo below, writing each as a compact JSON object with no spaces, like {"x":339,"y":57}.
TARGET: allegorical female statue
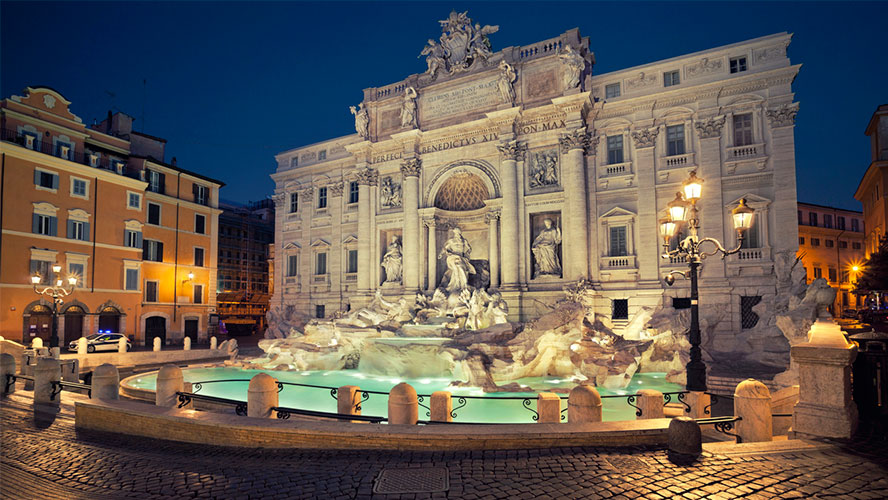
{"x":456,"y":253}
{"x":573,"y":63}
{"x":391,"y":261}
{"x":504,"y":83}
{"x":545,"y":250}
{"x":362,"y":120}
{"x":408,"y":108}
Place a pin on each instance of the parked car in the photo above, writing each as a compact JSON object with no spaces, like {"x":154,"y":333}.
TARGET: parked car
{"x":102,"y":342}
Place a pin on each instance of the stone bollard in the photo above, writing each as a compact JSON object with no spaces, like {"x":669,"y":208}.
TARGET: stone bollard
{"x":186,"y":344}
{"x":46,"y":372}
{"x":651,"y":403}
{"x":685,"y":441}
{"x":81,"y":346}
{"x":262,"y":396}
{"x":169,"y":382}
{"x":105,"y":382}
{"x":28,"y":363}
{"x":583,"y":405}
{"x":37,"y":343}
{"x":121,"y":345}
{"x":156,"y":344}
{"x":187,"y":387}
{"x":752,"y":403}
{"x":548,"y":408}
{"x":55,"y":352}
{"x":348,"y":399}
{"x":403,"y":406}
{"x":214,"y":342}
{"x":698,"y":401}
{"x":71,"y":370}
{"x":440,"y":406}
{"x":7,"y":367}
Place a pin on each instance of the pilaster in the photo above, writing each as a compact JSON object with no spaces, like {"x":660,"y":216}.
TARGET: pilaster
{"x":511,"y":152}
{"x":712,"y":217}
{"x":648,"y":255}
{"x":410,"y":169}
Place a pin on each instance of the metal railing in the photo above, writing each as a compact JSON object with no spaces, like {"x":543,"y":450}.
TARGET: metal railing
{"x":184,"y":398}
{"x":284,"y":413}
{"x":57,"y":385}
{"x":722,"y":424}
{"x":45,"y":145}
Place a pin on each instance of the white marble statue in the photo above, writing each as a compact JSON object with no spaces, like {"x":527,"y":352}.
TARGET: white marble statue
{"x":391,"y":261}
{"x":390,"y":193}
{"x":456,"y":253}
{"x":545,"y":250}
{"x":573,"y":64}
{"x":362,"y":120}
{"x":408,"y":108}
{"x":434,"y":58}
{"x":505,"y":82}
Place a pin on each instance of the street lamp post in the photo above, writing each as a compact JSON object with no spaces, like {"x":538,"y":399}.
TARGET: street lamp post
{"x":57,"y":291}
{"x":684,"y":209}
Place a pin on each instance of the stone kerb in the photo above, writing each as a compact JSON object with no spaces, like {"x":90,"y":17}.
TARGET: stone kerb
{"x":262,"y":396}
{"x":47,"y":372}
{"x":752,"y":403}
{"x":348,"y":399}
{"x":548,"y":408}
{"x":403,"y":405}
{"x":105,"y":382}
{"x":169,"y":381}
{"x":583,"y":405}
{"x":651,"y":404}
{"x":7,"y":367}
{"x":440,"y":406}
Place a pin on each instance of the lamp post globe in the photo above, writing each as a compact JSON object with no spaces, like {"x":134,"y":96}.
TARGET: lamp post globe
{"x":56,"y":292}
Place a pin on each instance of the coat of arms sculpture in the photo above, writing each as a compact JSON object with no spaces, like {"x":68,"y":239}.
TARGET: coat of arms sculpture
{"x":462,"y":44}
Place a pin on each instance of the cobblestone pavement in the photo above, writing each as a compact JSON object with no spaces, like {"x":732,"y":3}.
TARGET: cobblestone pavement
{"x":53,"y":460}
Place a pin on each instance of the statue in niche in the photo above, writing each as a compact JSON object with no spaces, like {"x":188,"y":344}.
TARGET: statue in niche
{"x":545,"y":250}
{"x":544,"y":169}
{"x":408,"y":108}
{"x":456,"y":253}
{"x":573,"y":64}
{"x":434,"y":58}
{"x":390,"y":193}
{"x":506,"y":78}
{"x":391,"y":261}
{"x":362,"y":120}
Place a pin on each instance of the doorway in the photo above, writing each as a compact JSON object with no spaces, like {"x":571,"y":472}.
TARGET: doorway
{"x":191,"y":329}
{"x":155,"y":326}
{"x":38,"y":324}
{"x":109,"y":320}
{"x":73,"y":324}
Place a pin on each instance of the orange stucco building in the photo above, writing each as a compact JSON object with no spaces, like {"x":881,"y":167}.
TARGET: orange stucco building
{"x":138,"y":233}
{"x":874,"y":185}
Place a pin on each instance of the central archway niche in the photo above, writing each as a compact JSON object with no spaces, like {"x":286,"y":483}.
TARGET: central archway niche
{"x":459,"y":196}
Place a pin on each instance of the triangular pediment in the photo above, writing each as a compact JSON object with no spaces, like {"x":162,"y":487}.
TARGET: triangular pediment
{"x":291,"y":245}
{"x":320,"y":243}
{"x":618,"y":212}
{"x":350,"y":239}
{"x":752,"y":200}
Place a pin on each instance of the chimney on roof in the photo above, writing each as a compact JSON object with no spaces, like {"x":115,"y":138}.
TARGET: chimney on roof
{"x":173,"y":161}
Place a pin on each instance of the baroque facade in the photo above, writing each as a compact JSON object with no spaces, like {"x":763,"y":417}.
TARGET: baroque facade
{"x":552,"y":174}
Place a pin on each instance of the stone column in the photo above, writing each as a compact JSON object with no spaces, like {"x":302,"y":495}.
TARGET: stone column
{"x":752,"y":403}
{"x":365,"y":177}
{"x":348,"y":399}
{"x":712,"y":219}
{"x":591,"y":184}
{"x":440,"y":406}
{"x":583,"y":405}
{"x":651,"y":403}
{"x":648,"y":255}
{"x":512,"y":151}
{"x":548,"y":408}
{"x":433,"y":255}
{"x":47,"y":371}
{"x":410,"y":168}
{"x":105,"y":382}
{"x":781,"y":121}
{"x":493,"y":247}
{"x":262,"y":396}
{"x":169,"y":382}
{"x":576,"y":260}
{"x":403,"y":405}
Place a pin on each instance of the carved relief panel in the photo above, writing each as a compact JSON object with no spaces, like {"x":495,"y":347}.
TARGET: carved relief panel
{"x":543,"y":169}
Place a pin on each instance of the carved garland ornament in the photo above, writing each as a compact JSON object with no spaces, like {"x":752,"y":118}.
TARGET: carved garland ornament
{"x":335,"y":189}
{"x":367,"y":176}
{"x":577,"y":139}
{"x":710,"y":128}
{"x":784,"y":116}
{"x":307,"y":194}
{"x":645,"y":138}
{"x":411,"y":167}
{"x":512,"y":150}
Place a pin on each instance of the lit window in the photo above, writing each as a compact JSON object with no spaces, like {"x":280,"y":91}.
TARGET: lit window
{"x":738,"y":64}
{"x":670,"y":78}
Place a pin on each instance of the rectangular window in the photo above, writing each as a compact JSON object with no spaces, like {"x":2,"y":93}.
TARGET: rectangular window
{"x":78,"y":187}
{"x":801,"y":240}
{"x":845,"y":276}
{"x":77,"y":271}
{"x":292,"y":265}
{"x":201,"y":194}
{"x":294,"y":202}
{"x":321,"y":267}
{"x":738,"y":64}
{"x":200,"y":224}
{"x":612,"y":90}
{"x":199,"y":257}
{"x":614,"y":149}
{"x":154,"y":214}
{"x":618,"y":245}
{"x":132,"y":239}
{"x":44,"y":224}
{"x":752,"y":236}
{"x":132,"y":279}
{"x":77,"y":230}
{"x":827,"y":220}
{"x":812,"y":219}
{"x":319,"y":311}
{"x":150,"y":291}
{"x":815,"y":242}
{"x":134,"y":201}
{"x":152,"y":250}
{"x":198,"y":294}
{"x":748,"y":317}
{"x":800,"y":218}
{"x":322,"y":197}
{"x":675,"y":140}
{"x":352,"y":262}
{"x":855,"y":225}
{"x":156,"y":181}
{"x":832,"y":274}
{"x":843,"y":244}
{"x":855,"y":246}
{"x":353,"y":192}
{"x":828,"y":243}
{"x":671,"y":78}
{"x":743,"y":129}
{"x":46,"y":180}
{"x":42,"y":268}
{"x":620,"y":309}
{"x":294,"y":161}
{"x":818,"y":273}
{"x":322,"y":155}
{"x":840,"y":222}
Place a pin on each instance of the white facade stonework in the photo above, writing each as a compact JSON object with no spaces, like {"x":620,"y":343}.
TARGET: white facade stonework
{"x":496,"y":169}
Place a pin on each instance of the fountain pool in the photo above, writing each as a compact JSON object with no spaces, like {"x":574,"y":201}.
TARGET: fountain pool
{"x":487,"y":409}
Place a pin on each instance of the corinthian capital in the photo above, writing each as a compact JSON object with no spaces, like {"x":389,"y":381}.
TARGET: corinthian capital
{"x":710,"y":128}
{"x":410,"y":167}
{"x":307,"y":194}
{"x":577,"y":139}
{"x":279,"y":200}
{"x":366,"y":176}
{"x":335,"y":189}
{"x":784,"y":116}
{"x":645,"y":138}
{"x":512,"y":150}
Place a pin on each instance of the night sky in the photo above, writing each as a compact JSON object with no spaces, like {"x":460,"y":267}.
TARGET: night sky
{"x":231,"y":84}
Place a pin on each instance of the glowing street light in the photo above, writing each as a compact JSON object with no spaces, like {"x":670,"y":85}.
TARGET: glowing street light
{"x":57,"y":292}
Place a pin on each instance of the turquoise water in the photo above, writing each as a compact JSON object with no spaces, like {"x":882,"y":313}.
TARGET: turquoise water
{"x":476,"y":410}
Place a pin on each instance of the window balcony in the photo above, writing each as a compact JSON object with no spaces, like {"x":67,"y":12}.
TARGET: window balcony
{"x":741,"y":153}
{"x":751,"y":255}
{"x":44,"y":145}
{"x":677,"y":161}
{"x":351,"y":277}
{"x":618,"y":262}
{"x":615,"y":169}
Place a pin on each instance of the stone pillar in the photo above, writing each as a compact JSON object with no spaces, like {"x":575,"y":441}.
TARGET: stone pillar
{"x":348,"y":399}
{"x":651,"y":403}
{"x":81,"y":346}
{"x":410,"y":168}
{"x":685,"y":440}
{"x":262,"y":396}
{"x":825,"y":407}
{"x":648,"y":256}
{"x":440,"y":406}
{"x":512,"y":151}
{"x":169,"y":382}
{"x":493,"y":247}
{"x":403,"y":406}
{"x":698,"y":401}
{"x":121,"y":345}
{"x":47,"y":371}
{"x":712,"y":204}
{"x":7,"y":367}
{"x":583,"y":405}
{"x":365,"y":177}
{"x":156,"y":344}
{"x":214,"y":342}
{"x":574,"y":222}
{"x":752,"y":403}
{"x":433,"y":256}
{"x":548,"y":408}
{"x":105,"y":382}
{"x":71,"y":370}
{"x":186,"y":344}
